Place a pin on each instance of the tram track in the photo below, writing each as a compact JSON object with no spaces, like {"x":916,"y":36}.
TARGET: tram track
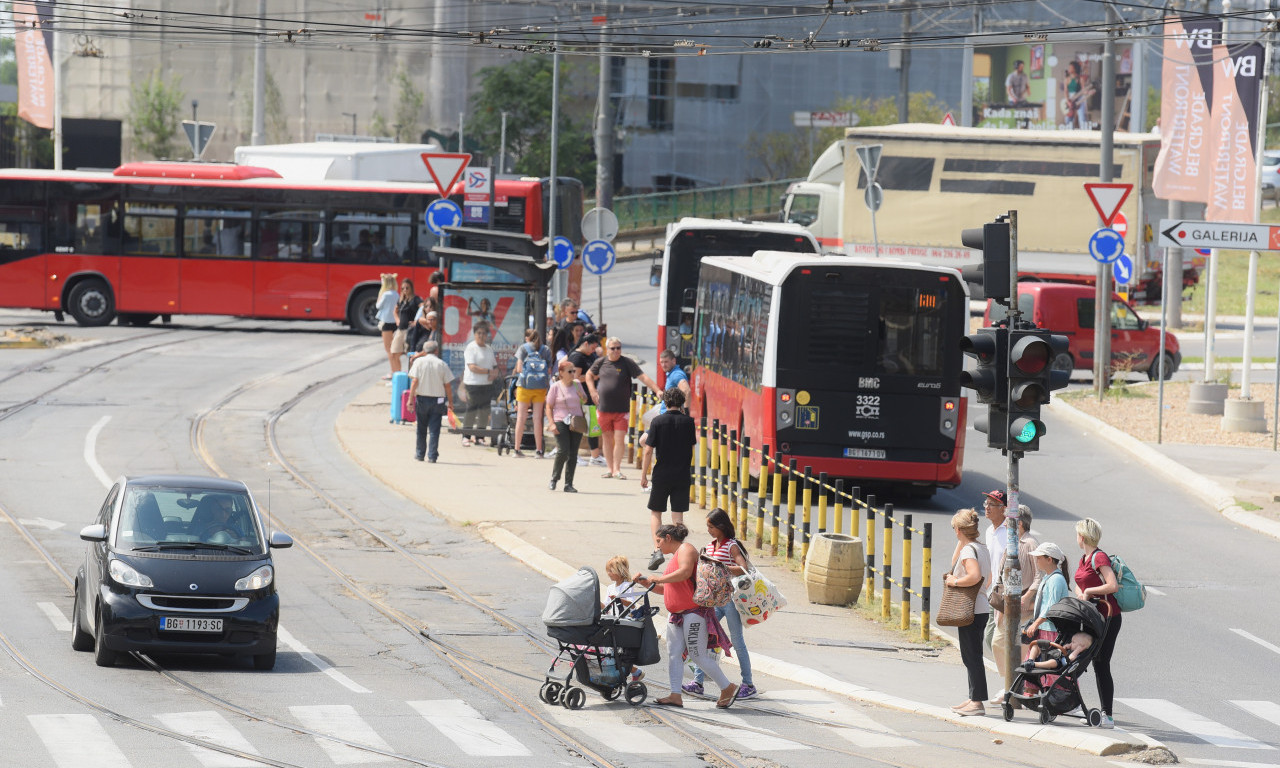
{"x":470,"y":666}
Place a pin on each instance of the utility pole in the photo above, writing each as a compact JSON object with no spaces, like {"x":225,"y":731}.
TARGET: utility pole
{"x":604,"y":123}
{"x":561,"y":284}
{"x":904,"y":72}
{"x":260,"y":78}
{"x":502,"y":145}
{"x":1102,"y":296}
{"x":966,"y":86}
{"x":1012,"y":566}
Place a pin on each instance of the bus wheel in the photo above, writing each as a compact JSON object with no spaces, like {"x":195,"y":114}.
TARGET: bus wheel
{"x":362,"y":313}
{"x":91,"y":303}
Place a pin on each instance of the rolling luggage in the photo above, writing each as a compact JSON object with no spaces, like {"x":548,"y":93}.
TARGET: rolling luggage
{"x":399,"y":385}
{"x":407,"y":413}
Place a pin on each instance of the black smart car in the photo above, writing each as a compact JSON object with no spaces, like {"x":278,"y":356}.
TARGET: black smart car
{"x":178,"y":564}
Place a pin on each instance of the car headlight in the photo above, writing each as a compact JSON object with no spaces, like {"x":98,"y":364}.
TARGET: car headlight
{"x":127,"y":575}
{"x":259,"y":579}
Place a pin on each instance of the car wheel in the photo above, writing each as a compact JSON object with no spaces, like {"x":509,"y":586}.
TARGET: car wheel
{"x":363,"y":312}
{"x":91,"y":303}
{"x":80,"y":640}
{"x":102,"y":655}
{"x":1153,"y":372}
{"x":265,"y":661}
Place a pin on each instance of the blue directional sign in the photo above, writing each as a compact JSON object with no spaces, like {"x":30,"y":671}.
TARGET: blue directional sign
{"x":562,"y":251}
{"x":598,"y":257}
{"x":440,"y":214}
{"x":1123,"y":269}
{"x":1106,"y":245}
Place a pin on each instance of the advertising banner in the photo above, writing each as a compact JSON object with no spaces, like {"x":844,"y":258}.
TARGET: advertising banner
{"x":33,"y":49}
{"x":1187,"y":92}
{"x":1233,"y":171}
{"x":1046,"y":86}
{"x":469,"y":302}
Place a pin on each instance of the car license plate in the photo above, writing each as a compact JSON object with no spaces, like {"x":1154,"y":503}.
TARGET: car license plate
{"x":176,"y":624}
{"x":864,"y":453}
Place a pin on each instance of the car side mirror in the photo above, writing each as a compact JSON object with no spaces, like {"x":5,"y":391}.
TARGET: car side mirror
{"x":95,"y":533}
{"x":278,"y":540}
{"x":1143,"y":324}
{"x":655,"y":275}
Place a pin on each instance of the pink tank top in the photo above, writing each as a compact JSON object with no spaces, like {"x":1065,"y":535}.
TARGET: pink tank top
{"x":678,"y":595}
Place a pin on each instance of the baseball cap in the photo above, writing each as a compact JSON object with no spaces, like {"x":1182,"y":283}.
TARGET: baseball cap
{"x":1050,"y":550}
{"x":998,"y":497}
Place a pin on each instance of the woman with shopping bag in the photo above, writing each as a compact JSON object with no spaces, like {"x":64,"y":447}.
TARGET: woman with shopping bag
{"x":725,"y":548}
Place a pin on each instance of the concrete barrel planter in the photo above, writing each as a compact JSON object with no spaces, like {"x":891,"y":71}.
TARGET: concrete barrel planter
{"x":834,"y":569}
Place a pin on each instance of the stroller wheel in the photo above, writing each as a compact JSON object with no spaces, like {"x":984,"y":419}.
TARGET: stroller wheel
{"x":637,"y":693}
{"x":550,"y":692}
{"x":1046,"y":716}
{"x":1006,"y":709}
{"x":613,"y":693}
{"x":1095,"y":717}
{"x":575,"y":698}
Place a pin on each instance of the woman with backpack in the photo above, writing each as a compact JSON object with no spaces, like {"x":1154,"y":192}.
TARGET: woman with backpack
{"x":725,"y":548}
{"x":533,"y":377}
{"x":691,"y":628}
{"x":1096,"y":583}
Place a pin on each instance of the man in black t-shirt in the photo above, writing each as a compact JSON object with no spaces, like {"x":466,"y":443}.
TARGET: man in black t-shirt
{"x":672,"y":436}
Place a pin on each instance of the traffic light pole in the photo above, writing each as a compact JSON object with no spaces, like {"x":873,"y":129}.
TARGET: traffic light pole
{"x":1012,"y":565}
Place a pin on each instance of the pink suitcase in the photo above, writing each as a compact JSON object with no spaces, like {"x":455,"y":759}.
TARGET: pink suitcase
{"x":407,"y":413}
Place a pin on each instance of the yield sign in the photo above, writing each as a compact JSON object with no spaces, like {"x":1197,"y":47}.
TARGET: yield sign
{"x":947,"y":119}
{"x":445,"y":167}
{"x":1107,"y":199}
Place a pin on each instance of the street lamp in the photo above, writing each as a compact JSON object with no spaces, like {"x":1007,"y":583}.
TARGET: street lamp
{"x":351,"y":115}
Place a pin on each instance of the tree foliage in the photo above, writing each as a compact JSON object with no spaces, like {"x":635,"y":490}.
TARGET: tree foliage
{"x":154,"y":114}
{"x":522,"y":89}
{"x":409,"y":103}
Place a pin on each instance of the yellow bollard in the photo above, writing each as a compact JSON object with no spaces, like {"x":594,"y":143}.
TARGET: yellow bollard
{"x":744,"y":487}
{"x":777,"y":501}
{"x":702,"y":464}
{"x":838,"y":513}
{"x":807,"y":501}
{"x":731,"y":505}
{"x":822,"y":502}
{"x":715,"y":463}
{"x":906,"y":573}
{"x":762,"y":495}
{"x":793,"y":482}
{"x":629,"y":451}
{"x":926,"y":578}
{"x":870,"y":539}
{"x":886,"y":565}
{"x":725,"y":467}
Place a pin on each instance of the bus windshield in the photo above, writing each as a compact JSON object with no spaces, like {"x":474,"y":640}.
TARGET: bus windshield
{"x":691,"y":246}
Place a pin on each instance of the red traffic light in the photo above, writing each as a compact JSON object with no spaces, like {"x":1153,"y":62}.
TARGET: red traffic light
{"x":1031,"y":354}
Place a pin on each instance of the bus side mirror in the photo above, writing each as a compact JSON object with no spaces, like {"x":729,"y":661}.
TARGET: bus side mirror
{"x":655,"y":274}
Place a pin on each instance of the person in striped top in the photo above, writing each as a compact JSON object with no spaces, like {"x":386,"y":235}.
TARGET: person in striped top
{"x":726,"y":548}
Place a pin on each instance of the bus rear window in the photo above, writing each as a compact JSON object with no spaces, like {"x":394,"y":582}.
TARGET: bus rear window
{"x":691,"y":246}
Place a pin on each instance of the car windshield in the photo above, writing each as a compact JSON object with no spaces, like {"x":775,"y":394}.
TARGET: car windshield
{"x":159,"y":519}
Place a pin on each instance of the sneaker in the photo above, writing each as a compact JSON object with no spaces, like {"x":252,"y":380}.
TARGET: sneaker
{"x":694,"y":688}
{"x":570,"y":489}
{"x":655,"y":562}
{"x":747,"y":691}
{"x":538,"y":454}
{"x":1107,"y":722}
{"x":598,"y":461}
{"x":583,"y":462}
{"x":637,"y":675}
{"x":518,"y":453}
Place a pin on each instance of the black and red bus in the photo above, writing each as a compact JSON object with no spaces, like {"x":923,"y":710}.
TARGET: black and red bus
{"x":158,"y":239}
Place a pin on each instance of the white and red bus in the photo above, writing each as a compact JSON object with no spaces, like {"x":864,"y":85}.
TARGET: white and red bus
{"x":849,"y":365}
{"x":158,"y":239}
{"x":691,"y":240}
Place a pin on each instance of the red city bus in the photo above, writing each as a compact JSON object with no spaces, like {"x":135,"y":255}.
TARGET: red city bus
{"x":848,"y":365}
{"x":159,"y":239}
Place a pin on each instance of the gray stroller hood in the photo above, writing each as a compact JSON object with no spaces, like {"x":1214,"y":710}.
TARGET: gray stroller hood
{"x":574,"y":602}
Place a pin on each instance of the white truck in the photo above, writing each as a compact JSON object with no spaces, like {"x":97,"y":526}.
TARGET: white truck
{"x":341,"y":160}
{"x":940,"y":180}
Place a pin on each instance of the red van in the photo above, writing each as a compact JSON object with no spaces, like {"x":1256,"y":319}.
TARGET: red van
{"x":1068,"y":309}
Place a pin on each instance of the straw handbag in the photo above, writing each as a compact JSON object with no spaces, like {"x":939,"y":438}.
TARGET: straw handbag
{"x":956,"y":609}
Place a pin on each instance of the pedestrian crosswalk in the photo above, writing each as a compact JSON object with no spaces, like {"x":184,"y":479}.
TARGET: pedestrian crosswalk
{"x":344,"y":735}
{"x":1207,"y":730}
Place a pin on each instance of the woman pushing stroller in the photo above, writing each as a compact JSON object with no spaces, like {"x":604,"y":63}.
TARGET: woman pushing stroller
{"x":691,"y":629}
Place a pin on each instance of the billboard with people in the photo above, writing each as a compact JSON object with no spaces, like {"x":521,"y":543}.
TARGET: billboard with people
{"x":1047,"y":86}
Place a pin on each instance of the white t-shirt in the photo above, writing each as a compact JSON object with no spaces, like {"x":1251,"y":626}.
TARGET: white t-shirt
{"x":627,"y":590}
{"x":387,"y":306}
{"x":481,"y":357}
{"x":978,"y":552}
{"x":997,"y":540}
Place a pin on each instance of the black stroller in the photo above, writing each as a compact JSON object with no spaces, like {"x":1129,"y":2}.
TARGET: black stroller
{"x":598,"y":649}
{"x":1069,"y":615}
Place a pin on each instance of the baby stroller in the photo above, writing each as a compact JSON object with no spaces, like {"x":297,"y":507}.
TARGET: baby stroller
{"x":598,"y":649}
{"x":1069,"y":615}
{"x":502,"y":416}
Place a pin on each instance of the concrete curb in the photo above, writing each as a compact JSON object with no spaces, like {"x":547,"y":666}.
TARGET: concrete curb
{"x":1188,"y":479}
{"x":1085,"y":740}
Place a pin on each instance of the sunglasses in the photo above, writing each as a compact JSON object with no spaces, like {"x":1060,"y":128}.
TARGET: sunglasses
{"x":613,"y":348}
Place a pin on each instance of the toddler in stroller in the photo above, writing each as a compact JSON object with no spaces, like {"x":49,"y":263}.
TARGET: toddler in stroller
{"x":1051,"y":685}
{"x":599,"y":650}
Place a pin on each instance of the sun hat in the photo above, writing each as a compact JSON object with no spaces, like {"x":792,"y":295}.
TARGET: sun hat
{"x":1050,"y":550}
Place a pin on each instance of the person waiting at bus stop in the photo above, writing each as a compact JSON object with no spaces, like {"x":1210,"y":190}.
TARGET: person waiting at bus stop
{"x":478,"y":382}
{"x":610,"y":380}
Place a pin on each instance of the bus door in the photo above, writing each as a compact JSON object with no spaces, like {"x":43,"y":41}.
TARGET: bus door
{"x":149,"y":270}
{"x":291,"y":273}
{"x":21,"y":253}
{"x":217,"y":273}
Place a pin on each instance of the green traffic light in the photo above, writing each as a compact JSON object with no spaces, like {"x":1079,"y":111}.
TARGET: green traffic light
{"x":1027,"y":434}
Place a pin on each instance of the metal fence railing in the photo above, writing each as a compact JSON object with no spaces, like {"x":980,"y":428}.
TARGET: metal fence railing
{"x":657,"y":209}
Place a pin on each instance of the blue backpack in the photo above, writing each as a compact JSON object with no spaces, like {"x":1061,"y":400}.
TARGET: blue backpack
{"x":533,"y":373}
{"x":1131,"y":594}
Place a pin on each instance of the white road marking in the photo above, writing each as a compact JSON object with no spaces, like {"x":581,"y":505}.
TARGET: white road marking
{"x":41,"y":522}
{"x":211,"y":727}
{"x":465,"y":726}
{"x":1224,"y":763}
{"x":342,"y":722}
{"x":1267,"y":710}
{"x":755,"y":739}
{"x":317,"y":662}
{"x":1154,"y":591}
{"x":1257,"y":640}
{"x":56,"y":618}
{"x":608,"y":729}
{"x":90,"y":452}
{"x":862,"y":730}
{"x":74,"y":741}
{"x":1199,"y":726}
